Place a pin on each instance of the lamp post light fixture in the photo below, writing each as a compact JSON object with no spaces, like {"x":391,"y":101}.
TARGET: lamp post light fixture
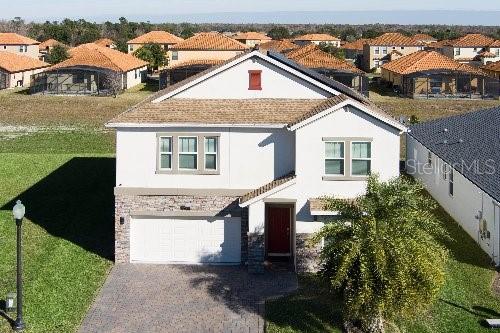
{"x":18,"y":211}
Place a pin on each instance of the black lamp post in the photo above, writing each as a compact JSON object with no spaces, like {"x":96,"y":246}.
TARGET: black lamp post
{"x":18,"y":211}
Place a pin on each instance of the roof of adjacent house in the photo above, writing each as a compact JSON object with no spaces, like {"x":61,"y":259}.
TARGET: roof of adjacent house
{"x":439,"y":44}
{"x":470,"y":143}
{"x":496,"y":43}
{"x":104,"y":42}
{"x":471,"y":40}
{"x":316,"y":37}
{"x":267,"y":187}
{"x":311,"y":56}
{"x":278,"y":45}
{"x":487,"y":54}
{"x":426,"y":60}
{"x":13,"y":62}
{"x":11,"y":38}
{"x":356,"y":45}
{"x":394,"y":39}
{"x":49,"y":43}
{"x":494,"y":66}
{"x":156,"y":37}
{"x":210,"y":41}
{"x":424,"y":37}
{"x":196,"y":62}
{"x":251,"y":35}
{"x":93,"y":55}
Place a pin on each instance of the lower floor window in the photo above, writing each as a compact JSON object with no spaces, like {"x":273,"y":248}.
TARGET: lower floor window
{"x":334,"y":158}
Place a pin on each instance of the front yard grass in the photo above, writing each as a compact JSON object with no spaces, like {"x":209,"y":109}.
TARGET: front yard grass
{"x":464,"y":302}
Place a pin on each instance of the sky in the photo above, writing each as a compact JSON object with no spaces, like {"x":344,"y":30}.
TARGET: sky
{"x":101,"y":10}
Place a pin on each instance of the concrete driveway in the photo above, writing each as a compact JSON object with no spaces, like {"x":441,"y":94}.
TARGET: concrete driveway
{"x":178,"y":298}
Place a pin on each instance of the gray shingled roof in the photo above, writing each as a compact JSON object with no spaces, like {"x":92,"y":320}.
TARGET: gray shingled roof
{"x":471,"y":139}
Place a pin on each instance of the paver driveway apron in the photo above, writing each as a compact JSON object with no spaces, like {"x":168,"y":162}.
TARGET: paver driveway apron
{"x":182,"y":298}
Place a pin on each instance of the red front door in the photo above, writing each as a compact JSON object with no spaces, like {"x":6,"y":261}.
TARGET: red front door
{"x":278,"y":230}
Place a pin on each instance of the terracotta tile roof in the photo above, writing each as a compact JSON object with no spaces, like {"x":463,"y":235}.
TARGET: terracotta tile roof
{"x":424,"y":38}
{"x":311,"y":56}
{"x":278,"y":45}
{"x":13,"y":63}
{"x":317,"y":37}
{"x":494,"y":67}
{"x":10,"y":38}
{"x":156,"y":37}
{"x":94,"y":55}
{"x":49,"y":43}
{"x":487,"y":54}
{"x":267,"y":187}
{"x":196,"y":62}
{"x":426,"y":60}
{"x":356,"y":45}
{"x":396,"y":52}
{"x":104,"y":42}
{"x":471,"y":40}
{"x":251,"y":35}
{"x":496,"y":43}
{"x":394,"y":39}
{"x":210,"y":41}
{"x":439,"y":44}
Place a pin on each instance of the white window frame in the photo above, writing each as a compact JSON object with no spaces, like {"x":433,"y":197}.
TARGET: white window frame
{"x":497,"y":51}
{"x":384,"y":50}
{"x":376,"y":50}
{"x":451,"y":183}
{"x":329,"y":158}
{"x":457,"y":51}
{"x":171,"y":153}
{"x":175,"y":55}
{"x":216,"y":153}
{"x":445,"y":170}
{"x":360,"y":159}
{"x":179,"y":153}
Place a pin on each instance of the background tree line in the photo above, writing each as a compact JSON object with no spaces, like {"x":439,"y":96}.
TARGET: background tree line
{"x":75,"y":32}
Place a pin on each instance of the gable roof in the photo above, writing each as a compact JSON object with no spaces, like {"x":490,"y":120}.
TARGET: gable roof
{"x":311,"y":56}
{"x":104,"y":42}
{"x":156,"y":37}
{"x":316,"y":37}
{"x":471,"y":40}
{"x":49,"y":43}
{"x":427,"y":60}
{"x":94,"y":55}
{"x":356,"y":45}
{"x":470,"y":143}
{"x":494,"y":66}
{"x":251,"y":35}
{"x":13,"y":62}
{"x":10,"y":38}
{"x":394,"y":39}
{"x":424,"y":37}
{"x":273,"y":185}
{"x":196,"y":62}
{"x":278,"y":45}
{"x":210,"y":41}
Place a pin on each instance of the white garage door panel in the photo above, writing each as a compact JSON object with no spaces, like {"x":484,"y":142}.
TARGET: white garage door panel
{"x":160,"y":240}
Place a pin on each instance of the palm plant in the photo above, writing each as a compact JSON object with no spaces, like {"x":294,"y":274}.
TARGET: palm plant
{"x":383,"y":253}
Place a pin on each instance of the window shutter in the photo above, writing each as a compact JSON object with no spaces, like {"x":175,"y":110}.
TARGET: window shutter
{"x":255,"y":82}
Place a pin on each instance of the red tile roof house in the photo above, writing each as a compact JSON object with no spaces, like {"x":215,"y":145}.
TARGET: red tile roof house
{"x":163,"y":38}
{"x":18,"y":44}
{"x":16,"y":70}
{"x":317,"y":39}
{"x":226,"y":167}
{"x":472,"y":49}
{"x":252,"y":38}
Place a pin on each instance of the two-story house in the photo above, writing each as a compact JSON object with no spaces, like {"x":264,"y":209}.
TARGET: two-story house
{"x":252,"y":38}
{"x":15,"y":43}
{"x":388,"y":47}
{"x":317,"y":39}
{"x":468,"y":49}
{"x":228,"y":165}
{"x":163,"y":38}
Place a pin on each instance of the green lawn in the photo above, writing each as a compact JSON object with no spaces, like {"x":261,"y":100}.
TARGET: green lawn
{"x":463,"y":303}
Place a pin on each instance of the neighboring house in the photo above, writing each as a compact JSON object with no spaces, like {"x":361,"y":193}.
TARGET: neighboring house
{"x":437,"y":46}
{"x":424,"y":38}
{"x":91,"y":70}
{"x":251,"y":38}
{"x":317,"y":39}
{"x":492,"y":54}
{"x":15,"y":43}
{"x":458,"y":161}
{"x":281,"y":46}
{"x":16,"y":70}
{"x":354,"y":50}
{"x":492,"y":69}
{"x":45,"y":47}
{"x":206,"y":46}
{"x":106,"y":42}
{"x":387,"y":47}
{"x":182,"y":70}
{"x":468,"y":49}
{"x":311,"y":56}
{"x":228,"y":165}
{"x":429,"y":74}
{"x":163,"y":38}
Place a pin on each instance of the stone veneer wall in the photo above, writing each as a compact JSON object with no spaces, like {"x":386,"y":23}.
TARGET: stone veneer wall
{"x":307,"y":256}
{"x":125,"y":205}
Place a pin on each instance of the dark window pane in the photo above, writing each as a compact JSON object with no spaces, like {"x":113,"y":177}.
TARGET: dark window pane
{"x":211,"y":162}
{"x":187,"y":161}
{"x":165,"y":161}
{"x":361,"y":167}
{"x":334,"y":167}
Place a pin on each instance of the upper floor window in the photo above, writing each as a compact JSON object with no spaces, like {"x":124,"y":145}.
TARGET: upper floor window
{"x":131,"y":47}
{"x":175,"y":55}
{"x":334,"y":158}
{"x":475,"y":49}
{"x":361,"y":154}
{"x":384,"y":50}
{"x":23,"y":48}
{"x":211,"y":153}
{"x":457,"y":51}
{"x":255,"y":80}
{"x":377,"y":50}
{"x":188,"y":153}
{"x":497,"y":52}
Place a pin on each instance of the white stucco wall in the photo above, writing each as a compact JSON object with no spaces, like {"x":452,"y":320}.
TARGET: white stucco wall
{"x":467,"y":200}
{"x":132,"y":81}
{"x":32,"y":50}
{"x":465,"y":52}
{"x":25,"y":77}
{"x":249,"y":158}
{"x":233,"y":83}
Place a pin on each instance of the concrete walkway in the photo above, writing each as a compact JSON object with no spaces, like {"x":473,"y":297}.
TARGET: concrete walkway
{"x":168,"y":298}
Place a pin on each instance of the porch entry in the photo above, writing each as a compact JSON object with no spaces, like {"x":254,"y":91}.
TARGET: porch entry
{"x":278,"y":231}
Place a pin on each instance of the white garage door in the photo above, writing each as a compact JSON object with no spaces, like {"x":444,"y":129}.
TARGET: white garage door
{"x":185,"y":240}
